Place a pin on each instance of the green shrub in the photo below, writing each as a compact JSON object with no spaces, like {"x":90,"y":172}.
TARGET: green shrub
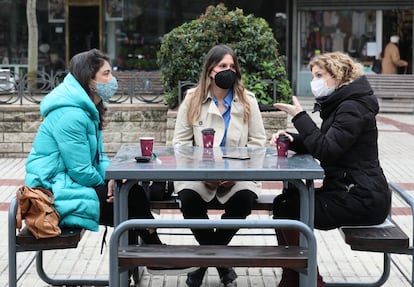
{"x":183,"y":49}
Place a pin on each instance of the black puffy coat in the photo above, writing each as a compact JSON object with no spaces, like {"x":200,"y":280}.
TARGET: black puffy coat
{"x":354,"y":190}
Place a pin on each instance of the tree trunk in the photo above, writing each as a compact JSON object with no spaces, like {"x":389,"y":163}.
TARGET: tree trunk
{"x":33,"y":37}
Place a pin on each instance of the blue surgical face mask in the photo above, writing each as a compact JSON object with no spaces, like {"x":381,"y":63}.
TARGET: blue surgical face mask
{"x":106,"y":90}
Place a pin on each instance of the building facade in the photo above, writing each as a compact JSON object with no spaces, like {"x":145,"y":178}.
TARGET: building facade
{"x":359,"y":28}
{"x":130,"y":30}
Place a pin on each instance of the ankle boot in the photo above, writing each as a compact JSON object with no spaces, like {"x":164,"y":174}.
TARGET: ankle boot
{"x":290,"y":278}
{"x":319,"y":279}
{"x":149,"y":237}
{"x":227,"y":275}
{"x":195,"y":278}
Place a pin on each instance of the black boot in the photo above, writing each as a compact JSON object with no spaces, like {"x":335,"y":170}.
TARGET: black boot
{"x":195,"y":278}
{"x":149,"y":237}
{"x":319,"y":279}
{"x":227,"y":275}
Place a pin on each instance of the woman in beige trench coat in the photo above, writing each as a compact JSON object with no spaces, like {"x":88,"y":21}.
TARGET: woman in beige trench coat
{"x":391,"y":59}
{"x":219,"y":101}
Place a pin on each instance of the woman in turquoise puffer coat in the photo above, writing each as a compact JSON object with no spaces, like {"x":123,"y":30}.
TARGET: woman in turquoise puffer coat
{"x":68,"y":156}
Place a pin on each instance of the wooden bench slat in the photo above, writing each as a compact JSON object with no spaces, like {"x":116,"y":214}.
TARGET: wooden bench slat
{"x":25,"y":241}
{"x":213,"y":255}
{"x":376,"y":239}
{"x":392,"y":86}
{"x":393,"y":91}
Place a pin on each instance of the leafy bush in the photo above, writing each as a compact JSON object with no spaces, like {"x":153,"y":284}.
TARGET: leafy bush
{"x":183,"y":49}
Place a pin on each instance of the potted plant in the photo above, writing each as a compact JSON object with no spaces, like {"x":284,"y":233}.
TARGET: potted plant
{"x":183,"y":49}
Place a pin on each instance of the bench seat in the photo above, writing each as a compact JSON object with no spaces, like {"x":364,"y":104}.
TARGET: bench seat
{"x":389,"y":239}
{"x":395,"y":93}
{"x":144,"y":86}
{"x":213,"y":255}
{"x":123,"y":257}
{"x":25,"y":241}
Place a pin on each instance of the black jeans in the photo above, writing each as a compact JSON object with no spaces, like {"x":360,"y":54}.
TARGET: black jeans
{"x":239,"y":206}
{"x":138,"y":207}
{"x":333,"y":209}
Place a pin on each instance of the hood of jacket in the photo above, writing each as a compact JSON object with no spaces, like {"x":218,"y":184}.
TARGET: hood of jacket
{"x":69,"y":94}
{"x":359,"y":90}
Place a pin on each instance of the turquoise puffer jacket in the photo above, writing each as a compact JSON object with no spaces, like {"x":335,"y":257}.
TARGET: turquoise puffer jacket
{"x":67,"y":155}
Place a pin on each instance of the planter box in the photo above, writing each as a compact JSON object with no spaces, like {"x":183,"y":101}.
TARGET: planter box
{"x":125,"y":124}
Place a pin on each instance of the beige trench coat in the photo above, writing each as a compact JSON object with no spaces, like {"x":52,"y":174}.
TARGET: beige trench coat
{"x":239,"y":134}
{"x":391,"y":60}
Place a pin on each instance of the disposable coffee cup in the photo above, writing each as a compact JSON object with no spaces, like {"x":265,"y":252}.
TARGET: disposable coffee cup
{"x":282,"y":145}
{"x":147,"y":144}
{"x":208,"y":137}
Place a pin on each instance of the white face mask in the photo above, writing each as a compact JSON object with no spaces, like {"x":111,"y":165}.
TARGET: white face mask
{"x":320,"y":88}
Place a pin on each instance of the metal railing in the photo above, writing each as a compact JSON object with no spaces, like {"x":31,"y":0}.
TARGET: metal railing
{"x":132,"y":89}
{"x":31,"y":88}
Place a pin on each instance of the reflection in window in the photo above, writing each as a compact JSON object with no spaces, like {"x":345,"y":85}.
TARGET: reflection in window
{"x":347,"y":31}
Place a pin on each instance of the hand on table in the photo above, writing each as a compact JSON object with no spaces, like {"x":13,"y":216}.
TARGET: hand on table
{"x":216,"y":184}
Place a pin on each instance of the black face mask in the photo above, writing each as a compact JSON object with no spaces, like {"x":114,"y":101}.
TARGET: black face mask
{"x":225,"y":79}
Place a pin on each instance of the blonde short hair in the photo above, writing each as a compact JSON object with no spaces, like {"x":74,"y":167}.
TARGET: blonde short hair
{"x":339,"y":65}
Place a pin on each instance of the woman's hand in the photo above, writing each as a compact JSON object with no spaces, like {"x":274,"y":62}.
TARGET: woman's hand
{"x":111,"y":188}
{"x":292,"y":110}
{"x":227,"y":184}
{"x":216,"y":184}
{"x":279,"y":133}
{"x":212,"y":184}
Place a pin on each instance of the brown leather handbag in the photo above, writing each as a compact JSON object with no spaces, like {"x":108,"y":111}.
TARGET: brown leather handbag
{"x":35,"y":206}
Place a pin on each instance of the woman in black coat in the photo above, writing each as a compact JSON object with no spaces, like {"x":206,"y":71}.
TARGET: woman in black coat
{"x":354,"y":190}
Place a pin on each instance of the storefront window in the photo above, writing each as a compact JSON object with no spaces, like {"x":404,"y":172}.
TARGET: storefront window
{"x":13,"y":35}
{"x":353,"y":32}
{"x":144,"y":22}
{"x":130,"y":30}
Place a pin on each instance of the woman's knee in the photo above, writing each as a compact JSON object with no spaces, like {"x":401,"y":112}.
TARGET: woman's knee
{"x":191,"y":202}
{"x":241,"y":203}
{"x":286,"y":206}
{"x":138,"y":203}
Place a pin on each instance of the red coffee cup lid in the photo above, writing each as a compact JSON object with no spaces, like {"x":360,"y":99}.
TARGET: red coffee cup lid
{"x":208,"y":131}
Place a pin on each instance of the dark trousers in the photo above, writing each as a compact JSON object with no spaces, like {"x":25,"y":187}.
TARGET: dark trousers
{"x":333,"y":209}
{"x":239,"y":206}
{"x":138,"y":208}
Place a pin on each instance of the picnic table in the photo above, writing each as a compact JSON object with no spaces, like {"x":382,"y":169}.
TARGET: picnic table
{"x":197,"y":163}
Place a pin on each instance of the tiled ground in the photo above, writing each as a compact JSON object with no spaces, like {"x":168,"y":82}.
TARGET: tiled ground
{"x":336,"y":261}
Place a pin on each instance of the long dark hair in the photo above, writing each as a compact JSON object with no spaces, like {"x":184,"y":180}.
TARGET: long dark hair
{"x":213,"y":57}
{"x":83,"y":67}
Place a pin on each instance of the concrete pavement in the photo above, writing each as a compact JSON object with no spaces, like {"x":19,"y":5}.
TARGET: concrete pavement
{"x":336,"y":261}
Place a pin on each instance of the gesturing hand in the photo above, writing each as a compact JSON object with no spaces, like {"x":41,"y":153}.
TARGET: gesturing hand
{"x":292,"y":110}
